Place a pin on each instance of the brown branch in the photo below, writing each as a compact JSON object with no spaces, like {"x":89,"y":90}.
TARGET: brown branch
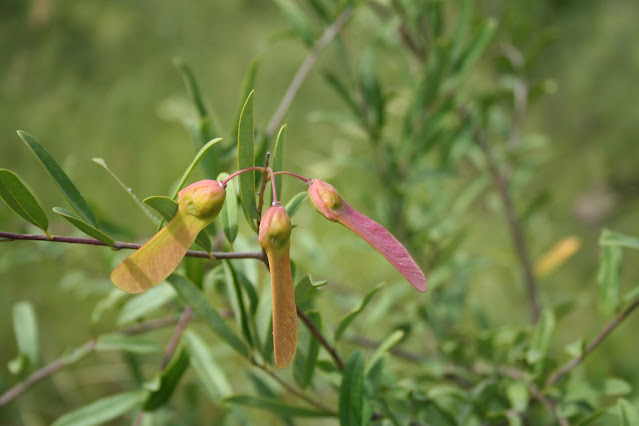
{"x":567,"y":367}
{"x":499,"y":181}
{"x":305,"y":68}
{"x":83,"y":350}
{"x":175,"y":338}
{"x":318,"y":335}
{"x":9,"y":236}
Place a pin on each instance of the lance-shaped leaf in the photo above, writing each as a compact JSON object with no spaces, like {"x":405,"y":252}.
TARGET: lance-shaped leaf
{"x":329,"y":203}
{"x":19,"y":199}
{"x":198,"y":205}
{"x":274,"y":237}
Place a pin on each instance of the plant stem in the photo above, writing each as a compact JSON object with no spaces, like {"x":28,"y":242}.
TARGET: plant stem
{"x":499,"y":181}
{"x":567,"y":367}
{"x":305,"y":68}
{"x":239,"y":172}
{"x":300,"y":177}
{"x":175,"y":338}
{"x":9,"y":236}
{"x":276,"y":202}
{"x":318,"y":335}
{"x":260,"y":194}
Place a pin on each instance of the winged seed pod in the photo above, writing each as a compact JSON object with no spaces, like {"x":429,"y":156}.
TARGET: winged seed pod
{"x":275,"y":231}
{"x":329,"y":203}
{"x":198,"y":205}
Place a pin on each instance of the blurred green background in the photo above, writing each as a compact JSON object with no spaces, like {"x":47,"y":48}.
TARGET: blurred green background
{"x":95,"y":79}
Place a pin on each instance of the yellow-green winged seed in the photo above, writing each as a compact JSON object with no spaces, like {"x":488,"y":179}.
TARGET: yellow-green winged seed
{"x":198,"y":205}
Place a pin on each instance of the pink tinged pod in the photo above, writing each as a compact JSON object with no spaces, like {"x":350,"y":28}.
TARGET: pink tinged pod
{"x":198,"y":205}
{"x":275,"y":231}
{"x":329,"y":203}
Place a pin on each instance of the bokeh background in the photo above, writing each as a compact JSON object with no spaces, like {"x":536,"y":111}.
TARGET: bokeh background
{"x":95,"y":79}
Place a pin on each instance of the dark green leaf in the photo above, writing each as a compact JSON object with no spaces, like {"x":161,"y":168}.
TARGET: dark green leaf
{"x":60,"y":178}
{"x":628,"y":414}
{"x":245,"y":159}
{"x":248,"y":85}
{"x":192,"y":296}
{"x":84,"y":227}
{"x":228,"y":215}
{"x":463,"y":23}
{"x":476,"y":47}
{"x":541,"y":337}
{"x":296,"y":202}
{"x":234,"y":292}
{"x":612,"y":238}
{"x":19,"y":199}
{"x":298,"y":20}
{"x":351,"y":392}
{"x":103,"y":410}
{"x":275,"y":406}
{"x":609,"y":280}
{"x":168,"y":380}
{"x":348,"y":318}
{"x":308,"y":348}
{"x":212,"y":376}
{"x":120,"y":342}
{"x":143,"y":304}
{"x":278,"y":159}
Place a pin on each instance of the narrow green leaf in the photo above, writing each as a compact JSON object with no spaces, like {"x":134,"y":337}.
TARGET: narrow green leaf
{"x":305,"y":290}
{"x":19,"y":199}
{"x":614,"y":386}
{"x":344,"y":92}
{"x":476,"y":47}
{"x":212,"y":376}
{"x":518,"y":395}
{"x":296,"y":202}
{"x":60,"y":178}
{"x":264,"y":323}
{"x":609,"y":280}
{"x":168,"y":380}
{"x":25,"y":326}
{"x":143,"y":304}
{"x":628,"y":414}
{"x":612,"y":238}
{"x":192,"y":296}
{"x":234,"y":292}
{"x":278,"y":159}
{"x":463,"y":23}
{"x":348,"y":318}
{"x":307,"y":354}
{"x":541,"y":337}
{"x":194,"y":163}
{"x":351,"y":392}
{"x":246,"y":158}
{"x":102,"y":410}
{"x":371,"y":91}
{"x":384,"y":347}
{"x":120,"y":342}
{"x":275,"y":406}
{"x":228,"y":215}
{"x":84,"y":227}
{"x":248,"y":85}
{"x":167,"y":208}
{"x":135,"y":199}
{"x":298,"y":21}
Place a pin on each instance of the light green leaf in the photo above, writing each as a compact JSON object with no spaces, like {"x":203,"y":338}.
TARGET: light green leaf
{"x":305,"y":290}
{"x":476,"y":47}
{"x":248,"y":85}
{"x":60,"y":178}
{"x":228,"y":215}
{"x":120,"y":342}
{"x":19,"y":199}
{"x":518,"y":395}
{"x":245,"y":159}
{"x":191,"y":166}
{"x":348,"y":318}
{"x":351,"y":392}
{"x":102,"y":410}
{"x":278,"y":160}
{"x":84,"y":227}
{"x":236,"y":297}
{"x":628,"y":414}
{"x":142,"y":304}
{"x":275,"y":406}
{"x":298,"y":21}
{"x":541,"y":337}
{"x":308,"y":348}
{"x":296,"y":202}
{"x":135,"y":199}
{"x":168,"y":380}
{"x":463,"y":23}
{"x":612,"y":238}
{"x":384,"y":347}
{"x":575,"y":349}
{"x":212,"y":376}
{"x":25,"y":326}
{"x":609,"y":280}
{"x":192,"y":296}
{"x":614,"y":386}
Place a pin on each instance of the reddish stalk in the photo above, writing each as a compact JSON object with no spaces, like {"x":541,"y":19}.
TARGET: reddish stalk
{"x":300,"y":177}
{"x":239,"y":172}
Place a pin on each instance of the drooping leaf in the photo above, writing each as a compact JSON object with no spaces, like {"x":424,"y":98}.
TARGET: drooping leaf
{"x":208,"y":371}
{"x":192,"y":296}
{"x":120,"y":342}
{"x":296,"y":202}
{"x":168,"y":380}
{"x":103,"y":410}
{"x":60,"y":178}
{"x":612,"y":238}
{"x":350,"y":317}
{"x":275,"y":406}
{"x":351,"y":392}
{"x":143,"y":304}
{"x":609,"y":280}
{"x":19,"y":199}
{"x":228,"y":215}
{"x":278,"y":159}
{"x":308,"y":353}
{"x":84,"y":227}
{"x":245,"y":159}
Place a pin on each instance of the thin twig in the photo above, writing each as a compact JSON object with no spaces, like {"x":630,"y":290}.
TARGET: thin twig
{"x":9,"y":236}
{"x":175,"y":338}
{"x":567,"y":367}
{"x":320,"y":338}
{"x":83,"y":350}
{"x":513,"y":224}
{"x":305,"y":68}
